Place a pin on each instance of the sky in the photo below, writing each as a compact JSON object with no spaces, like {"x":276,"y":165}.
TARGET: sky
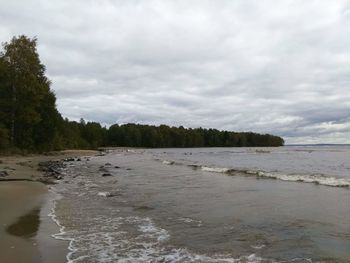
{"x":280,"y":67}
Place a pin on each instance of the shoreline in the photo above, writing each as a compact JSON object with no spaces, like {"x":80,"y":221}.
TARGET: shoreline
{"x":26,"y":206}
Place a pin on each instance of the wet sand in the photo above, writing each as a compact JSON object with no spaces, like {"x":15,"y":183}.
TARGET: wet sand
{"x":25,"y":227}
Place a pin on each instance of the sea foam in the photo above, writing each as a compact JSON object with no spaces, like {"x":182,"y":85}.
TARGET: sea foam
{"x":304,"y":178}
{"x":101,"y":244}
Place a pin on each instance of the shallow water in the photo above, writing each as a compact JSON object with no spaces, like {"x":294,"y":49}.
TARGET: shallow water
{"x":162,"y":206}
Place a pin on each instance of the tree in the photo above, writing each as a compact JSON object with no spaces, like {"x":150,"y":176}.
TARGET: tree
{"x":29,"y":106}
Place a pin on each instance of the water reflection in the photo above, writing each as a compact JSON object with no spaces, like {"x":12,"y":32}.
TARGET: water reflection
{"x":27,"y":225}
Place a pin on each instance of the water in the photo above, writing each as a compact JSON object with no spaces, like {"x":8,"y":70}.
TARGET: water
{"x":325,"y":165}
{"x":207,"y":205}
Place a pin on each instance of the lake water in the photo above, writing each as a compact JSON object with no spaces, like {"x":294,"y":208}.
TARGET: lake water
{"x":287,"y":204}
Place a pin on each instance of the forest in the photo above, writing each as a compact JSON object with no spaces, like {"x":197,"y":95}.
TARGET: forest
{"x":30,"y":121}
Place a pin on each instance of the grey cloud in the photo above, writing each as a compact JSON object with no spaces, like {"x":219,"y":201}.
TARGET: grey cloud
{"x":281,"y":67}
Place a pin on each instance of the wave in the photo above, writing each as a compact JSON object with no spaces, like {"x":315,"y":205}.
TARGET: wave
{"x":319,"y":179}
{"x":168,"y":162}
{"x":304,"y":178}
{"x":103,"y":245}
{"x":215,"y":169}
{"x":100,"y":244}
{"x":316,"y":179}
{"x":108,"y":241}
{"x":62,"y":234}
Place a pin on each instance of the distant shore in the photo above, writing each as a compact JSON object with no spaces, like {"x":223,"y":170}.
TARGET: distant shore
{"x":25,"y":227}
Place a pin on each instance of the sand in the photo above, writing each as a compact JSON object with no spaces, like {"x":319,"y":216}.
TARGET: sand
{"x":25,"y":227}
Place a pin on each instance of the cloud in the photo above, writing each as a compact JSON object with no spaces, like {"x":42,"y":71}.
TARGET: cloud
{"x":281,"y":67}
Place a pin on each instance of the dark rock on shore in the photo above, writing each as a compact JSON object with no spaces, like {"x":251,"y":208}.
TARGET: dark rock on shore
{"x":106,"y":174}
{"x":52,"y":169}
{"x":4,"y":173}
{"x":68,"y":160}
{"x":71,"y":159}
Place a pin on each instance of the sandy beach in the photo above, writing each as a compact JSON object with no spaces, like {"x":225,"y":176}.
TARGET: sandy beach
{"x":25,"y":227}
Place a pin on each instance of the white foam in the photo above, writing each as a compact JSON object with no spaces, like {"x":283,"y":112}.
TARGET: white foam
{"x":61,"y":235}
{"x":316,"y":179}
{"x":152,"y":231}
{"x":104,"y":194}
{"x":305,"y":178}
{"x":99,"y":243}
{"x":188,"y":220}
{"x":168,"y":162}
{"x":215,"y":169}
{"x":258,"y":246}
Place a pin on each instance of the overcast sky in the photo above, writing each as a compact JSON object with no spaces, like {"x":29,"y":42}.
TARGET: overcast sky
{"x":271,"y":66}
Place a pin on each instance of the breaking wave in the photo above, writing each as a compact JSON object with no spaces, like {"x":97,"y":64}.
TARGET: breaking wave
{"x":168,"y":162}
{"x":101,"y":244}
{"x":319,"y":179}
{"x":305,"y":178}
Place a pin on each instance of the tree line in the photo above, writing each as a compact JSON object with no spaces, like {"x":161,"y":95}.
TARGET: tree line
{"x":29,"y":119}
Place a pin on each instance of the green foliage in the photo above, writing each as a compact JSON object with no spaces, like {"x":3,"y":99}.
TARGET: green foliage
{"x":93,"y":133}
{"x":4,"y":138}
{"x":27,"y":105}
{"x":29,"y":120}
{"x":163,"y":136}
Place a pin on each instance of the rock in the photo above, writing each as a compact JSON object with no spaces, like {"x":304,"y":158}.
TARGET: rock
{"x":3,"y":174}
{"x":78,"y":160}
{"x":108,"y":164}
{"x":117,"y":167}
{"x":106,"y":174}
{"x":68,"y":159}
{"x":52,"y":169}
{"x":104,"y":194}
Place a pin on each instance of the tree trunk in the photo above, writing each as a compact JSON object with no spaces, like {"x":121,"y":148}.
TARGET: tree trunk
{"x":13,"y":115}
